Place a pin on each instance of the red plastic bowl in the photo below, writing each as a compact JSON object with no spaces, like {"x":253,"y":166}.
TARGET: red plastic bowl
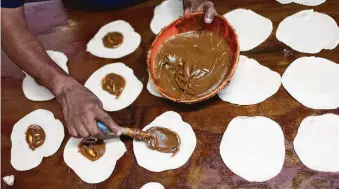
{"x":195,"y":22}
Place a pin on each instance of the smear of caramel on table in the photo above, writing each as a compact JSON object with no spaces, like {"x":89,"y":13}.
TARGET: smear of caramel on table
{"x":113,"y":39}
{"x":92,"y":148}
{"x":35,"y":136}
{"x":113,"y":84}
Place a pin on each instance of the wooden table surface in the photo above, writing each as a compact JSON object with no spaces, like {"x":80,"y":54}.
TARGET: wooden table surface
{"x":69,"y":31}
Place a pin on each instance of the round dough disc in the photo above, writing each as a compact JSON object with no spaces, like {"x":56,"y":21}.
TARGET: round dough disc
{"x":152,"y":89}
{"x":156,"y":161}
{"x":165,"y":13}
{"x":53,"y":129}
{"x":93,"y":171}
{"x":309,"y":32}
{"x":129,"y":94}
{"x":252,"y":83}
{"x":35,"y":92}
{"x":303,"y":2}
{"x":153,"y":185}
{"x":317,"y":142}
{"x":253,"y":148}
{"x":313,"y":82}
{"x":252,"y":28}
{"x":131,"y":41}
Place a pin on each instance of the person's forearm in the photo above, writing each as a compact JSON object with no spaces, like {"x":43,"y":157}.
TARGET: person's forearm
{"x":24,"y":50}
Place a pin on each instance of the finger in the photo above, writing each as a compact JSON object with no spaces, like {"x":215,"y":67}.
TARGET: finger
{"x":92,"y":127}
{"x":81,"y":130}
{"x":72,"y":131}
{"x":187,"y":11}
{"x":209,"y":11}
{"x":108,"y":121}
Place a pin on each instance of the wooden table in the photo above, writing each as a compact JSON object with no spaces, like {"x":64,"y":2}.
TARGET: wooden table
{"x":69,"y":31}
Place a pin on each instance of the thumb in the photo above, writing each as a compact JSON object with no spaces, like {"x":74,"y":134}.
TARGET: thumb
{"x":209,"y":11}
{"x":109,"y":122}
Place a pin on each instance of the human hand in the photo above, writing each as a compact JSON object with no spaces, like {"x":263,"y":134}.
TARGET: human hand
{"x":82,"y":109}
{"x":206,"y":6}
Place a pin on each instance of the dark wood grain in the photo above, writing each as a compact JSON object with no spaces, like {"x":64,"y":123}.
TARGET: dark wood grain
{"x":68,"y":31}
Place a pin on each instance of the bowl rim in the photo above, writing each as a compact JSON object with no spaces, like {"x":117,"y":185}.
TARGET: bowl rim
{"x":226,"y":81}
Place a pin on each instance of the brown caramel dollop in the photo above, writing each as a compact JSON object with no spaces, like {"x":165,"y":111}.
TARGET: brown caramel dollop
{"x":92,"y":148}
{"x":192,"y":64}
{"x":113,"y":39}
{"x":35,"y":136}
{"x":113,"y":84}
{"x":163,"y":140}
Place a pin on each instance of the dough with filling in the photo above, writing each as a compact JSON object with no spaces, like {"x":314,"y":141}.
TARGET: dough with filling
{"x":35,"y":92}
{"x":252,"y":83}
{"x":303,"y":2}
{"x":153,"y":185}
{"x":252,"y":29}
{"x":165,"y":13}
{"x":130,"y":93}
{"x":157,"y":161}
{"x":317,"y":142}
{"x":253,"y":148}
{"x":93,"y":171}
{"x":22,"y":156}
{"x":130,"y":43}
{"x":313,"y":81}
{"x":309,"y":31}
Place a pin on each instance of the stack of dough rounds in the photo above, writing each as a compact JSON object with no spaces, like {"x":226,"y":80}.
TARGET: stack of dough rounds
{"x":313,"y":82}
{"x":303,"y":2}
{"x":157,"y":161}
{"x":252,"y":29}
{"x":165,"y":13}
{"x":98,"y":170}
{"x":153,"y":185}
{"x":253,"y":148}
{"x":36,"y":92}
{"x":152,"y":89}
{"x":22,"y":157}
{"x":131,"y":41}
{"x":252,"y":83}
{"x":309,"y":32}
{"x":129,"y":94}
{"x":317,"y":142}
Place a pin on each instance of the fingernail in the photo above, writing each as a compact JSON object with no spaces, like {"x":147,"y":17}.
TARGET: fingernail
{"x":208,"y":20}
{"x":119,"y":132}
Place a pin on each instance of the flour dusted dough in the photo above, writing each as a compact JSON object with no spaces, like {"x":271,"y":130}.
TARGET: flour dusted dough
{"x":153,"y":185}
{"x":9,"y":180}
{"x":93,"y":171}
{"x":313,"y":82}
{"x":252,"y":83}
{"x":253,"y":148}
{"x":252,"y":28}
{"x":129,"y":94}
{"x":152,"y":89}
{"x":317,"y":142}
{"x":157,"y":161}
{"x":303,"y":2}
{"x":35,"y":92}
{"x":165,"y":13}
{"x":309,"y":31}
{"x":131,"y":40}
{"x":22,"y":157}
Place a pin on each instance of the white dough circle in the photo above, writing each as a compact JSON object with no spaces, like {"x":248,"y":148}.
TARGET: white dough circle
{"x":93,"y":171}
{"x":155,"y":161}
{"x":153,"y":185}
{"x":152,"y":89}
{"x":313,"y":82}
{"x":54,"y":131}
{"x":165,"y":13}
{"x":35,"y":92}
{"x":309,"y":32}
{"x":130,"y":93}
{"x":253,"y":148}
{"x":252,"y":29}
{"x":131,"y":41}
{"x":317,"y":142}
{"x":252,"y":83}
{"x":303,"y":2}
